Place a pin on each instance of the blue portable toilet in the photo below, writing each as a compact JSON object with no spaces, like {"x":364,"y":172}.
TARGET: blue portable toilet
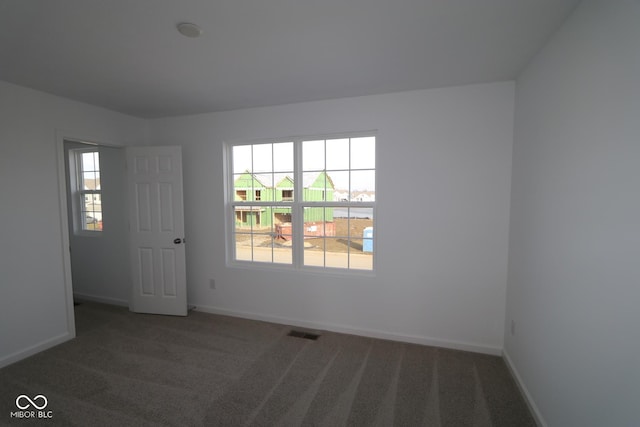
{"x":367,"y":239}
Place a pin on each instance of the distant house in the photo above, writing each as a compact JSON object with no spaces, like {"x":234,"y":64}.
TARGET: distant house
{"x":260,"y":187}
{"x":363,"y":196}
{"x":355,"y":196}
{"x":341,"y":196}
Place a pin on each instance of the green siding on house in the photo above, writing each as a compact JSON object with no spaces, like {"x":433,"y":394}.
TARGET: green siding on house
{"x":251,"y":188}
{"x":248,"y":187}
{"x":321,"y":189}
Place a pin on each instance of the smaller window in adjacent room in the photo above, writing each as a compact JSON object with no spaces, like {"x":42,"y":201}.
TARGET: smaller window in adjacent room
{"x":88,"y":190}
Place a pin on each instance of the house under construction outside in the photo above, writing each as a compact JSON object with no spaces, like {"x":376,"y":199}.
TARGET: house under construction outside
{"x":318,"y":221}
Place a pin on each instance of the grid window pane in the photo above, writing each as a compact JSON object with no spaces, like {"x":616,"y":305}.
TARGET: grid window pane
{"x":91,"y":212}
{"x":363,"y":153}
{"x":336,"y":259}
{"x":283,"y":157}
{"x":241,"y":159}
{"x":90,"y":161}
{"x":363,"y":186}
{"x":88,"y":191}
{"x":244,"y":249}
{"x":340,"y":181}
{"x":343,"y":240}
{"x":261,"y":169}
{"x":90,"y":180}
{"x":313,"y":155}
{"x":317,"y":186}
{"x":263,"y":234}
{"x":337,"y":154}
{"x":262,"y":158}
{"x":283,"y":190}
{"x":328,"y":235}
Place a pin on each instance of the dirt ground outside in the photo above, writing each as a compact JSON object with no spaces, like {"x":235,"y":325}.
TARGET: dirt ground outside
{"x":352,"y":228}
{"x":348,"y":234}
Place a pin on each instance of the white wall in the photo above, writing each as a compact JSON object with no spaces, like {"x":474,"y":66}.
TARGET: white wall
{"x":100,"y":262}
{"x":32,"y":284}
{"x":574,"y":280}
{"x":444,"y":160}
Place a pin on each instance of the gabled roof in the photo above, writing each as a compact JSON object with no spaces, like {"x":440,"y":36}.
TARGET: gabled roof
{"x":267,"y":179}
{"x":286,"y":182}
{"x":310,"y":179}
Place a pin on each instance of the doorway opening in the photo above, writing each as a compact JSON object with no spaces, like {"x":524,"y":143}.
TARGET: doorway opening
{"x":96,"y":218}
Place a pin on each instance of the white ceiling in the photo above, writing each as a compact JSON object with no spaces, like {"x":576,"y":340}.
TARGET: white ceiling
{"x":126,"y":55}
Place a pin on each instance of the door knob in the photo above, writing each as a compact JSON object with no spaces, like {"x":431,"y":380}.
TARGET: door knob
{"x":177,"y":241}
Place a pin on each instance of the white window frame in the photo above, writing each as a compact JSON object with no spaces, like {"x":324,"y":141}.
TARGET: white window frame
{"x":79,"y":193}
{"x":297,"y":207}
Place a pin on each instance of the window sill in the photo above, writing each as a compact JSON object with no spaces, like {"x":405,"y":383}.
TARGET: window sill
{"x":289,"y":268}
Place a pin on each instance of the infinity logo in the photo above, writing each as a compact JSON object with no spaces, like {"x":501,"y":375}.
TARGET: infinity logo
{"x":33,"y":403}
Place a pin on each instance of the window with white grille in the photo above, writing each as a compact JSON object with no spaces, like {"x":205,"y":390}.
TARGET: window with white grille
{"x":87,"y":190}
{"x":303,"y":202}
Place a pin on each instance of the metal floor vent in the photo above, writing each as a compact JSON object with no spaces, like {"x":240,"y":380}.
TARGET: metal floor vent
{"x":303,"y":334}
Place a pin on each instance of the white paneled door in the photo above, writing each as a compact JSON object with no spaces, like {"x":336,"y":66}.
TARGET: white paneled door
{"x":157,"y":243}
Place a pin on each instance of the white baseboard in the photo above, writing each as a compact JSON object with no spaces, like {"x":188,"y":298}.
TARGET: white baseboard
{"x":523,"y":388}
{"x":476,"y":348}
{"x":36,"y":348}
{"x":103,"y":300}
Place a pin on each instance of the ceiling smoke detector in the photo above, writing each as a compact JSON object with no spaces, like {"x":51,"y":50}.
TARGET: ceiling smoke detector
{"x":189,"y":30}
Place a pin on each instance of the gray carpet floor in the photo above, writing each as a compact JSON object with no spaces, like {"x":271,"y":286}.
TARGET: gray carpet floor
{"x":127,"y":369}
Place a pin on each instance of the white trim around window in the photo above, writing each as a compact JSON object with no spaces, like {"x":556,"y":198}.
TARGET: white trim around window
{"x":326,"y":227}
